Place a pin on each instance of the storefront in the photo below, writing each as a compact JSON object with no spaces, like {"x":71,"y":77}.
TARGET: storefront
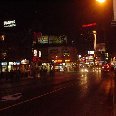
{"x":8,"y":66}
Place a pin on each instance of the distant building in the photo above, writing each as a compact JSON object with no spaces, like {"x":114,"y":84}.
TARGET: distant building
{"x":54,"y":51}
{"x":15,"y":49}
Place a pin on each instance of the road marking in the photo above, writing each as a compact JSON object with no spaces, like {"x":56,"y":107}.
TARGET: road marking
{"x":34,"y":98}
{"x":12,"y":97}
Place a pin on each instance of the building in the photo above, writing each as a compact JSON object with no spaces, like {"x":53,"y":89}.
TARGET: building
{"x":15,"y":49}
{"x":52,"y":51}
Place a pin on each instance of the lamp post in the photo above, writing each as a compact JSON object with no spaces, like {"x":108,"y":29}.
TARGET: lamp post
{"x":95,"y":38}
{"x":113,"y":79}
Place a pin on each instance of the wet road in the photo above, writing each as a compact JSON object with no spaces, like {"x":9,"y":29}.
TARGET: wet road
{"x":83,"y":94}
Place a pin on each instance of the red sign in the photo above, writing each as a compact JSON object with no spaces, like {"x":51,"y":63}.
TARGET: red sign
{"x":36,"y":59}
{"x":89,"y":25}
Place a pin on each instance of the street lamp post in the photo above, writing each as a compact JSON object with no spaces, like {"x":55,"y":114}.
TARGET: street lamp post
{"x":113,"y":18}
{"x":95,"y":38}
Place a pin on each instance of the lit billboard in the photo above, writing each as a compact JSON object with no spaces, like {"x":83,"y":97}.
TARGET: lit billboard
{"x":57,"y":39}
{"x":90,"y":52}
{"x":54,"y":39}
{"x":43,"y":40}
{"x":9,"y":23}
{"x":48,"y":39}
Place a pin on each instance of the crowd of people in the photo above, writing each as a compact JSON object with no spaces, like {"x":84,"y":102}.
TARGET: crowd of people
{"x":18,"y":74}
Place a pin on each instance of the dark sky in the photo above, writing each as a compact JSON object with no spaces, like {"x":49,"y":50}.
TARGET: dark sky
{"x":64,"y":16}
{"x":51,"y":16}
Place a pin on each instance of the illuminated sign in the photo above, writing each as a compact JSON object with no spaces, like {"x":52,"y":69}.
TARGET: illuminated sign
{"x":90,"y":52}
{"x":43,"y":39}
{"x":57,"y":61}
{"x":14,"y":63}
{"x":39,"y":53}
{"x":3,"y":63}
{"x":9,"y":23}
{"x":36,"y":59}
{"x":57,"y":39}
{"x":89,"y":25}
{"x":68,"y":60}
{"x":51,"y":39}
{"x":54,"y":39}
{"x":34,"y":52}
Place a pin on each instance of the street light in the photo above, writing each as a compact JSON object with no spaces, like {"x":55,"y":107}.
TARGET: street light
{"x":113,"y":15}
{"x":101,"y":1}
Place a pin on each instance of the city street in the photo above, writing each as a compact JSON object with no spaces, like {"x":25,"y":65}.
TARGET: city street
{"x":67,"y":94}
{"x":58,"y":58}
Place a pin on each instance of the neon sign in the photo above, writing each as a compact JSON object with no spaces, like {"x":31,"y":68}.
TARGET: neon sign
{"x":89,"y":25}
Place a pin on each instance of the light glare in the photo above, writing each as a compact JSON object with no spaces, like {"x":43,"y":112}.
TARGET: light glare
{"x":101,"y":1}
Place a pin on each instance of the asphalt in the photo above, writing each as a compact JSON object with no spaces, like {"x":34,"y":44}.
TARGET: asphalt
{"x":57,"y":79}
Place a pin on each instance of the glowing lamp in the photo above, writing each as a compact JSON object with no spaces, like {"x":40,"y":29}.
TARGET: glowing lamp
{"x":101,"y":1}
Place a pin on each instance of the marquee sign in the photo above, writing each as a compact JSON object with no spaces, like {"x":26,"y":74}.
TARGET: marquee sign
{"x":9,"y":23}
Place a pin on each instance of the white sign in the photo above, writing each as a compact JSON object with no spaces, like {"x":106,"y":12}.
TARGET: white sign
{"x":9,"y":23}
{"x":90,"y":52}
{"x":14,"y":63}
{"x":34,"y":52}
{"x":4,"y":63}
{"x":39,"y":53}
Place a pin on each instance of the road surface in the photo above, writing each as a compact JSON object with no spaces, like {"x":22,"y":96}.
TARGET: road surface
{"x":68,"y":94}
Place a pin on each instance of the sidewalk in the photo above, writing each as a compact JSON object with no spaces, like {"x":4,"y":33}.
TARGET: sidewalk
{"x":7,"y":83}
{"x":59,"y":78}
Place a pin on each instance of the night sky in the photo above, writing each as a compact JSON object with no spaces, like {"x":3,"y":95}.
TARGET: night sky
{"x":50,"y":16}
{"x":56,"y":16}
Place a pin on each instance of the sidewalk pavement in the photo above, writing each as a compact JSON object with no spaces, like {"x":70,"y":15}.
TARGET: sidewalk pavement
{"x":57,"y":79}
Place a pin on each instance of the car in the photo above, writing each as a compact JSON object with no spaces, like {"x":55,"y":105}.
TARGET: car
{"x":84,"y":68}
{"x":106,"y":67}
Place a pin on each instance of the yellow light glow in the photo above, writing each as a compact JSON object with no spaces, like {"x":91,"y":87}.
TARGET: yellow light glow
{"x":57,"y":61}
{"x":101,"y":1}
{"x":68,"y":60}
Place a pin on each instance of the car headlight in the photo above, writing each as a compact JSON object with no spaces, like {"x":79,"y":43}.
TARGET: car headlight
{"x":84,"y":70}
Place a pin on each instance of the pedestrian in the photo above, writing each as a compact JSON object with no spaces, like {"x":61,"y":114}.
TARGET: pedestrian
{"x":6,"y":74}
{"x":11,"y":74}
{"x":18,"y":74}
